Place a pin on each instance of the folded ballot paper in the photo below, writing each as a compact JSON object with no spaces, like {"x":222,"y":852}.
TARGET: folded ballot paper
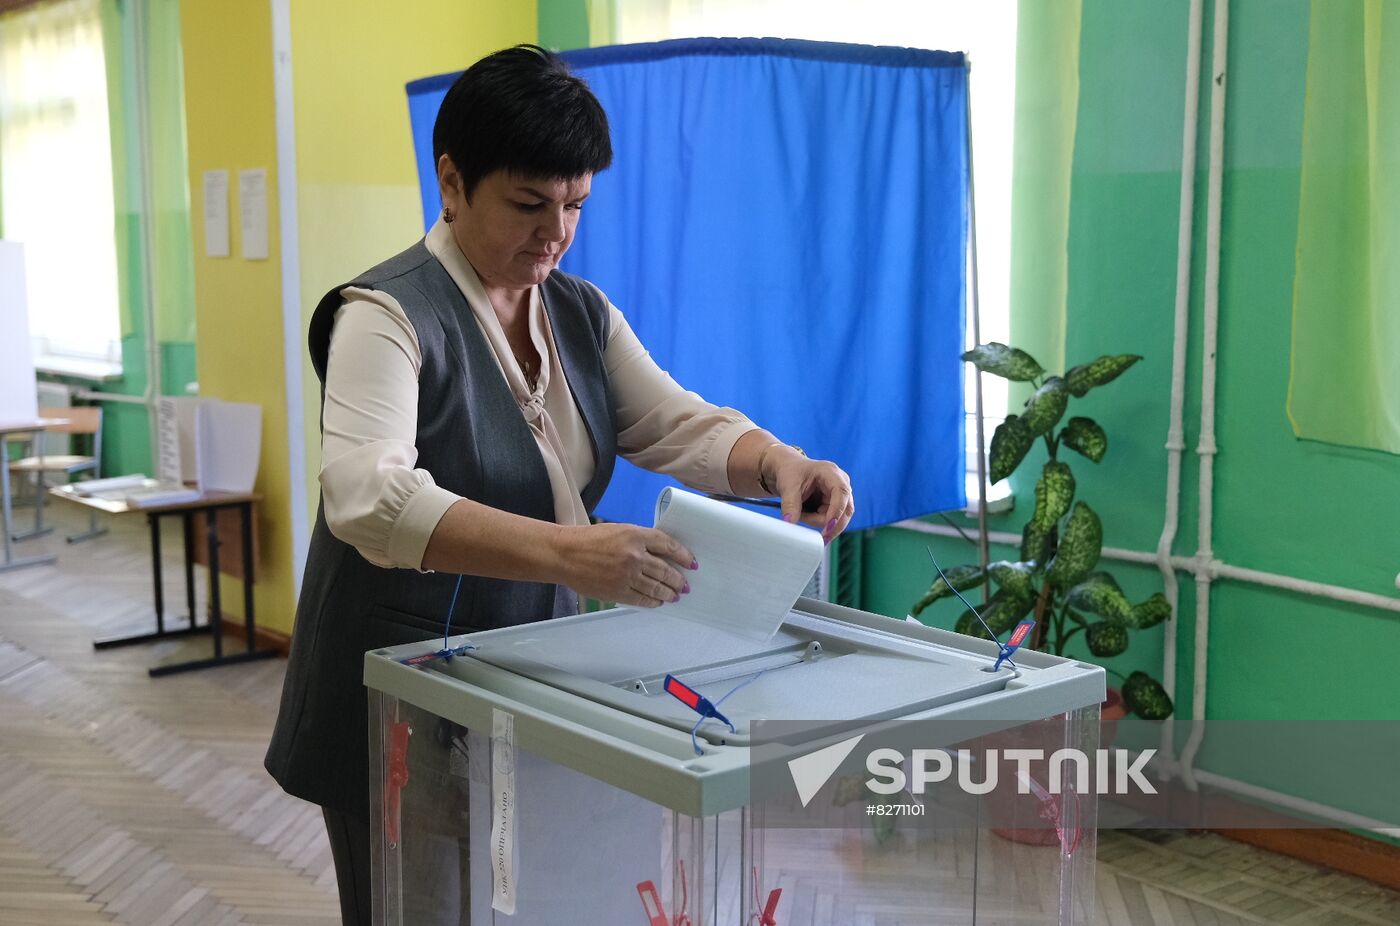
{"x":752,"y":567}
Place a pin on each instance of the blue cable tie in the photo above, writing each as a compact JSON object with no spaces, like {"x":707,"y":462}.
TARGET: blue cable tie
{"x":1018,"y":636}
{"x":447,"y":651}
{"x":1004,"y":650}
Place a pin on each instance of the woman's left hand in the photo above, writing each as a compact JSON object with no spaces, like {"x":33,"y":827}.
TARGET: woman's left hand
{"x":797,"y":479}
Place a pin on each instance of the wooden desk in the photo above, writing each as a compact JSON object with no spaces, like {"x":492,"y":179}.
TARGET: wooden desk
{"x":7,"y":428}
{"x":210,"y":503}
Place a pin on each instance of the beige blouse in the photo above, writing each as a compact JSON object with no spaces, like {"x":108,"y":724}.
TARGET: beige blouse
{"x":378,"y":502}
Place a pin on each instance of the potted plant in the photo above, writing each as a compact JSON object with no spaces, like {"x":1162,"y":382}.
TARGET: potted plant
{"x":1056,"y":576}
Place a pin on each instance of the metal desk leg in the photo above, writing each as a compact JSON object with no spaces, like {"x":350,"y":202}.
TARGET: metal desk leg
{"x":216,"y":610}
{"x":215,"y":603}
{"x":246,"y":511}
{"x":154,"y":521}
{"x":187,"y":526}
{"x":156,"y":580}
{"x":7,"y":517}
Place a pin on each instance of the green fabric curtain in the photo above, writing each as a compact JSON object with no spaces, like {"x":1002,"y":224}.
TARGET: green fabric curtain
{"x":1345,"y":382}
{"x":1047,"y":103}
{"x":145,"y":81}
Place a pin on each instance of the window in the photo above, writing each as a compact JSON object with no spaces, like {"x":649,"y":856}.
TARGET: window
{"x":56,"y":176}
{"x":985,"y":30}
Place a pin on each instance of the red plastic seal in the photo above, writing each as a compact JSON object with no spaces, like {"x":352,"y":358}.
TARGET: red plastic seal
{"x":397,"y":777}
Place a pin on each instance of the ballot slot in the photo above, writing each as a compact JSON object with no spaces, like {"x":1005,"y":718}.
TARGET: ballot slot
{"x":734,"y":672}
{"x":620,"y":658}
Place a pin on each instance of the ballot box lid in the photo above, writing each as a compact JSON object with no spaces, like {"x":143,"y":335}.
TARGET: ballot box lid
{"x":591,"y":687}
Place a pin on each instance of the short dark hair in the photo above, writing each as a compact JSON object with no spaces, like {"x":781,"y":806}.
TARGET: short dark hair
{"x":520,"y":110}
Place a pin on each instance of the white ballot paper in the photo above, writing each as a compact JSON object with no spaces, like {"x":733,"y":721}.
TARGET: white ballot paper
{"x":752,"y":567}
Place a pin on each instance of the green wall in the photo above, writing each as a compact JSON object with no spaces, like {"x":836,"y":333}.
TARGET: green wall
{"x":563,"y":24}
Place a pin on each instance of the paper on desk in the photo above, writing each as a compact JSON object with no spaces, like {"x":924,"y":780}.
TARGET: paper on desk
{"x":752,"y":567}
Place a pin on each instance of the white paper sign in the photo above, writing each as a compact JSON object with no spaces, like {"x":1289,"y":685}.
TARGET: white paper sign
{"x":216,"y":213}
{"x":503,"y":886}
{"x":752,"y":567}
{"x":252,"y":201}
{"x":177,"y":454}
{"x":168,"y":456}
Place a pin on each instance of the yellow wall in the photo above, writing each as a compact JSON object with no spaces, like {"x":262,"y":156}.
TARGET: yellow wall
{"x":238,"y":303}
{"x":357,"y":195}
{"x":357,"y":184}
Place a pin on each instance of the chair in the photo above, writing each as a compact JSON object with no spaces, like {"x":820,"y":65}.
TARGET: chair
{"x":81,"y":420}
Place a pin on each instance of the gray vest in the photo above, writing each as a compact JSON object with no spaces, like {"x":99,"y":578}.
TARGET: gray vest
{"x":473,"y":439}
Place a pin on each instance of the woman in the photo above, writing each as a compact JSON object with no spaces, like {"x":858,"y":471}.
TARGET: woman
{"x":474,"y":399}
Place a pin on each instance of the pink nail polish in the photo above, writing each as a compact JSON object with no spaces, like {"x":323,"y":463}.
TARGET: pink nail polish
{"x":787,"y":518}
{"x":830,"y":525}
{"x":685,"y":589}
{"x":675,"y":599}
{"x":694,"y":564}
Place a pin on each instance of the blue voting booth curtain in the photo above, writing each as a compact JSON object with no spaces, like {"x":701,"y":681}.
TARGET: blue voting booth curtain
{"x":784,"y":226}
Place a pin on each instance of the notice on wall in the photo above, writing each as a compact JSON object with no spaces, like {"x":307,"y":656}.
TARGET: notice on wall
{"x":252,"y":201}
{"x":216,"y":213}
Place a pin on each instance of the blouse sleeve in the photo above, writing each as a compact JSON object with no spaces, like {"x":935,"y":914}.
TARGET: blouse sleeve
{"x":662,"y":427}
{"x":375,"y":499}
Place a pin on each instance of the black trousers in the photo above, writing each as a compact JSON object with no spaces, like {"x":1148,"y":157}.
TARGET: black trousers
{"x":350,"y":851}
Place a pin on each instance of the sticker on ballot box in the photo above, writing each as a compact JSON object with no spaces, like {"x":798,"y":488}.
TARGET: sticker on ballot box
{"x":503,"y":884}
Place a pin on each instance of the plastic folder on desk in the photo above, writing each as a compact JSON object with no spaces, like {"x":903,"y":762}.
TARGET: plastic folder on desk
{"x":110,"y":487}
{"x":161,"y":493}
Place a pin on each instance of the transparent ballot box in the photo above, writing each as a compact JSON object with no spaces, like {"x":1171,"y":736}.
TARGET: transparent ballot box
{"x":633,"y":768}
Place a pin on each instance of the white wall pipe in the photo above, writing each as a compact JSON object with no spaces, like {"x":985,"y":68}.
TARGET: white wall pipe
{"x":1210,"y":569}
{"x":1176,"y":441}
{"x":1334,"y":592}
{"x":1279,"y":799}
{"x":143,"y":121}
{"x":89,"y":395}
{"x":1322,"y":811}
{"x":1132,"y":556}
{"x":1205,"y":449}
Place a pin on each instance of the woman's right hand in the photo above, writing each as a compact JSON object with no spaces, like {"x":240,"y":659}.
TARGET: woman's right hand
{"x":625,"y":563}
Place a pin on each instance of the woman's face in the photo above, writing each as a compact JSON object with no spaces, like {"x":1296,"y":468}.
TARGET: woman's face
{"x":515,"y":228}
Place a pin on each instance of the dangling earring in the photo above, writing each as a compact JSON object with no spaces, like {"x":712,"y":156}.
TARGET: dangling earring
{"x":447,"y":215}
